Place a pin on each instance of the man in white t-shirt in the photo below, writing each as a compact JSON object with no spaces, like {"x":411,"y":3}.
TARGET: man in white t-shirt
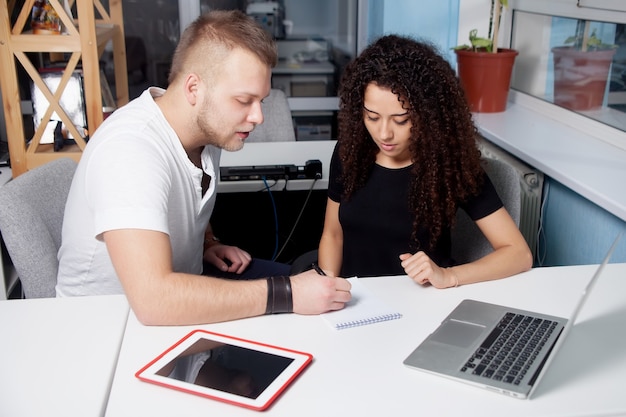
{"x":137,"y":216}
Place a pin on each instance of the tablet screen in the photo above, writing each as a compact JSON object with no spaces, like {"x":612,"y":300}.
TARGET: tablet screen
{"x":226,"y":368}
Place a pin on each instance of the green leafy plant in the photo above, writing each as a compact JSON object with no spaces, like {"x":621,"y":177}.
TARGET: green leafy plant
{"x":582,"y":41}
{"x":486,"y":44}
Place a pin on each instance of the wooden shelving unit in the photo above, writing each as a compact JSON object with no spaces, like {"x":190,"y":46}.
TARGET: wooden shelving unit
{"x":85,"y":41}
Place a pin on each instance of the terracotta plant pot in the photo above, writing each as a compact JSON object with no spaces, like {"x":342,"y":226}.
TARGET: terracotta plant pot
{"x":486,"y":78}
{"x":580,"y":77}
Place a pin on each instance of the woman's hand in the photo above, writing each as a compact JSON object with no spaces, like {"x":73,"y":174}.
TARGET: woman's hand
{"x":423,"y":270}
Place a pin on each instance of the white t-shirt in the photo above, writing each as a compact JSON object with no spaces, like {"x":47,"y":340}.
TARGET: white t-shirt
{"x":134,"y":174}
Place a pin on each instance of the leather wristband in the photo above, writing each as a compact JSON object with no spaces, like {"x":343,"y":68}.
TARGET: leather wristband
{"x":279,"y":296}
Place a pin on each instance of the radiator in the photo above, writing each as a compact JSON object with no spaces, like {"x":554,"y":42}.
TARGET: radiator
{"x":531,"y":185}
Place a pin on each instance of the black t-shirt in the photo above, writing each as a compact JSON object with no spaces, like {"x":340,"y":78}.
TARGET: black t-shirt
{"x":377,"y":223}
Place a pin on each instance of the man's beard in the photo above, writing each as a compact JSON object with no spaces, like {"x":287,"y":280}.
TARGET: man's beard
{"x":212,"y":137}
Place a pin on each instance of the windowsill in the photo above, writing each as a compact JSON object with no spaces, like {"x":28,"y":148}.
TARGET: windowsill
{"x":585,"y":157}
{"x":606,"y":115}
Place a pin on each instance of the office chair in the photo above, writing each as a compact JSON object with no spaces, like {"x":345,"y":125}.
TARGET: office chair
{"x":31,"y":216}
{"x":277,"y":125}
{"x":468,"y":242}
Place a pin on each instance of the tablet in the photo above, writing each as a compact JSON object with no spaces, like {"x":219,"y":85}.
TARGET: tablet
{"x":226,"y":368}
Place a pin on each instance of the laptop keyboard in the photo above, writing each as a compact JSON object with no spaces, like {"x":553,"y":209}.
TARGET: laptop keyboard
{"x":511,"y":348}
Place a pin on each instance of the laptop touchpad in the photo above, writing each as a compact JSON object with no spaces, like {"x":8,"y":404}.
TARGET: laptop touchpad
{"x":457,"y":333}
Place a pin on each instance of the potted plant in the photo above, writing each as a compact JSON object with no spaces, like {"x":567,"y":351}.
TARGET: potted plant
{"x":581,"y":70}
{"x":484,"y":69}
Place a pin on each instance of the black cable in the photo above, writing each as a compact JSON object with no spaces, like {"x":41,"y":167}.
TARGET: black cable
{"x":269,"y":191}
{"x":297,"y":220}
{"x":266,"y":188}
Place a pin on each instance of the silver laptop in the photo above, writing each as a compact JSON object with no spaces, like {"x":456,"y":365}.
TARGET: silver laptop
{"x":495,"y":347}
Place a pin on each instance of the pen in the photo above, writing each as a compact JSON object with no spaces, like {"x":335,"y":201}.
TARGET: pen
{"x":318,"y":269}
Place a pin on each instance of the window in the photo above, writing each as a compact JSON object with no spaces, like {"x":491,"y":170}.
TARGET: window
{"x":572,"y":55}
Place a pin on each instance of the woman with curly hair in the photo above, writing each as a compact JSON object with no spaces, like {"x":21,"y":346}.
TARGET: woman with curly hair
{"x":405,"y":161}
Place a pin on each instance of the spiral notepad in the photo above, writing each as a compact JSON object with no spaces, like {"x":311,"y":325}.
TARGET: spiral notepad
{"x":364,"y":308}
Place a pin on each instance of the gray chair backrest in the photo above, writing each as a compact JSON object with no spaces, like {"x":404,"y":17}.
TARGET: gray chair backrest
{"x":468,"y":242}
{"x":31,"y":218}
{"x":278,"y":124}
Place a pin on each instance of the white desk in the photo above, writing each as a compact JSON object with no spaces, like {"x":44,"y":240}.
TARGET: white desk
{"x":359,"y":371}
{"x":278,"y":153}
{"x":58,"y":355}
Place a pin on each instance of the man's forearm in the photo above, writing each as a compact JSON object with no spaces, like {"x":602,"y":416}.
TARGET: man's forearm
{"x":184,"y":299}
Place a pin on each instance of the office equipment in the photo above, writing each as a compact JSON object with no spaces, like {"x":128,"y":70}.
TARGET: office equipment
{"x":31,"y":216}
{"x":237,"y":197}
{"x":304,"y":67}
{"x":496,"y":347}
{"x":259,"y":172}
{"x":314,"y":126}
{"x":312,"y":169}
{"x":364,"y":308}
{"x":277,"y":153}
{"x":226,"y":368}
{"x":270,"y":15}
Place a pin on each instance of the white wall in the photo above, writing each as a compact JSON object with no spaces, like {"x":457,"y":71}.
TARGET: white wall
{"x":437,"y":23}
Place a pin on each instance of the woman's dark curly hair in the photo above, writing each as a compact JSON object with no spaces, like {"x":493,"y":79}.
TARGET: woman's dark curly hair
{"x":446,"y":161}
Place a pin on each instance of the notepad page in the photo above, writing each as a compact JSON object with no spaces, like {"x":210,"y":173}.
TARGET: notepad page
{"x":364,"y":308}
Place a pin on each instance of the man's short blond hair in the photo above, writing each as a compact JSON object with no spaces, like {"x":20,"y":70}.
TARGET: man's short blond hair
{"x":207,"y":41}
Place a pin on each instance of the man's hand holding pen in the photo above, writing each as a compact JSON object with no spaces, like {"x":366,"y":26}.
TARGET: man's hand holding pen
{"x":331,"y":293}
{"x":317,"y":269}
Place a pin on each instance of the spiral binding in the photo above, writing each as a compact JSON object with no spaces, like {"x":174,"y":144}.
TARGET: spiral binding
{"x":368,"y":320}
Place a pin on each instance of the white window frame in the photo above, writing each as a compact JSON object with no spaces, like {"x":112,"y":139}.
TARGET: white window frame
{"x":616,"y":5}
{"x":601,"y":10}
